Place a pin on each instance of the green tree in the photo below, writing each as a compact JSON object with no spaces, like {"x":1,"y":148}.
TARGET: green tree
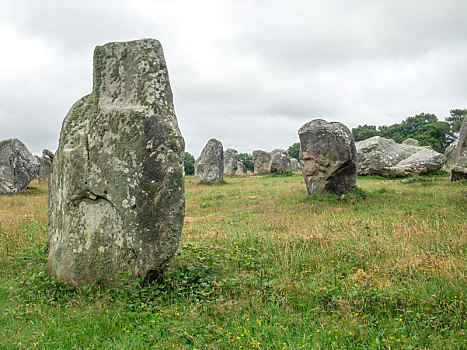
{"x":456,"y":118}
{"x":246,"y":159}
{"x":294,"y":150}
{"x":189,"y":163}
{"x":363,"y":132}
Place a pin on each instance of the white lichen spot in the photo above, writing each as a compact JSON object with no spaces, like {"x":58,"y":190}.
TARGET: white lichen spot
{"x":101,"y":249}
{"x":125,"y":203}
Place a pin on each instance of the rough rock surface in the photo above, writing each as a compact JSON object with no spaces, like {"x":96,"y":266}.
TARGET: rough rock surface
{"x":46,"y":165}
{"x":423,"y":162}
{"x":241,"y":169}
{"x":116,"y":199}
{"x":17,"y":166}
{"x":328,"y":157}
{"x":209,"y":167}
{"x":279,"y":162}
{"x":459,"y":166}
{"x":410,"y":141}
{"x":380,"y":156}
{"x":261,"y":162}
{"x":294,"y":165}
{"x":230,"y":161}
{"x":450,"y":154}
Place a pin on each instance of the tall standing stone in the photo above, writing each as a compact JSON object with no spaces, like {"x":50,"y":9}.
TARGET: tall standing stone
{"x":459,"y":166}
{"x":328,"y":157}
{"x":241,"y":169}
{"x":17,"y":166}
{"x":261,"y":161}
{"x":209,"y":167}
{"x":279,"y":162}
{"x":230,"y":161}
{"x":116,"y":199}
{"x":46,"y":165}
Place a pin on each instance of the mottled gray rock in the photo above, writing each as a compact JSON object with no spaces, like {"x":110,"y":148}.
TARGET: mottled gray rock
{"x":230,"y":161}
{"x":209,"y":167}
{"x":279,"y":162}
{"x":450,"y":154}
{"x":46,"y":165}
{"x":116,"y":199}
{"x":423,"y":162}
{"x":295,"y":166}
{"x":261,"y":162}
{"x":241,"y":169}
{"x":459,"y":166}
{"x":17,"y":166}
{"x":410,"y":141}
{"x":384,"y":157}
{"x":328,"y":157}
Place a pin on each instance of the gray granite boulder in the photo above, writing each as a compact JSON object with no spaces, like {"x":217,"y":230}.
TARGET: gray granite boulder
{"x":328,"y":157}
{"x":46,"y":165}
{"x":209,"y":167}
{"x":241,"y":169}
{"x":230,"y":161}
{"x":17,"y":166}
{"x":450,"y":154}
{"x":116,"y":199}
{"x":294,"y":166}
{"x":279,"y":162}
{"x":423,"y":162}
{"x":459,"y":166}
{"x":410,"y":141}
{"x":261,"y":161}
{"x":380,"y":156}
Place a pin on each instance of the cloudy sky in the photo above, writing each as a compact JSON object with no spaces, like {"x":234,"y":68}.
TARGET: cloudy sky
{"x":248,"y":73}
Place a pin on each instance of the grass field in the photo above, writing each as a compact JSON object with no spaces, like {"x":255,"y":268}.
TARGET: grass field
{"x":261,"y":265}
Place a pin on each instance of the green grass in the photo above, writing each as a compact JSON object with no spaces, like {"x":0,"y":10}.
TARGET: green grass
{"x":262,"y":265}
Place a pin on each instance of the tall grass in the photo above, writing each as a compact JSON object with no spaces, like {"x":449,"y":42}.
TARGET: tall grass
{"x":261,"y":266}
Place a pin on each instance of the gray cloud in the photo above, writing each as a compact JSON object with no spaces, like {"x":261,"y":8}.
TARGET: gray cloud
{"x":248,"y":73}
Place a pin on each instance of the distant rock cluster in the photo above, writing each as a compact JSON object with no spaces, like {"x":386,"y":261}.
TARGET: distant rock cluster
{"x":17,"y":166}
{"x":384,"y":157}
{"x":459,"y":162}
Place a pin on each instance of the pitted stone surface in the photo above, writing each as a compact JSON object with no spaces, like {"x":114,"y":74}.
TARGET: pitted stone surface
{"x":459,"y":166}
{"x":279,"y":162}
{"x":261,"y":161}
{"x":241,"y":169}
{"x":328,"y":157}
{"x":17,"y":166}
{"x":116,"y":198}
{"x":46,"y":165}
{"x":230,"y":161}
{"x":384,"y":157}
{"x":209,"y":167}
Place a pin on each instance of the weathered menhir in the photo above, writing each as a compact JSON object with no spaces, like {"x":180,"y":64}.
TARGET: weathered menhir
{"x":116,"y":194}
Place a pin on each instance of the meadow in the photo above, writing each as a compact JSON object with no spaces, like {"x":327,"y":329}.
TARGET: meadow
{"x":261,"y":265}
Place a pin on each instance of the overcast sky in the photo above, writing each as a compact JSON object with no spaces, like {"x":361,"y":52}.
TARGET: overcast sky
{"x":249,"y":73}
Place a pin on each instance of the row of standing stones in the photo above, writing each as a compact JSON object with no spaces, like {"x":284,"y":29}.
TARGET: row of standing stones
{"x":116,"y":182}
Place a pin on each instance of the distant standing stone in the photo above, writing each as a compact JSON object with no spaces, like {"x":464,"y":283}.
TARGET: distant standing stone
{"x":279,"y":162}
{"x":116,"y":199}
{"x":328,"y":157}
{"x":261,"y":162}
{"x":46,"y":165}
{"x":450,"y":154}
{"x":459,"y":167}
{"x":241,"y":169}
{"x":209,"y":167}
{"x":294,"y":165}
{"x":230,"y":161}
{"x":17,"y":166}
